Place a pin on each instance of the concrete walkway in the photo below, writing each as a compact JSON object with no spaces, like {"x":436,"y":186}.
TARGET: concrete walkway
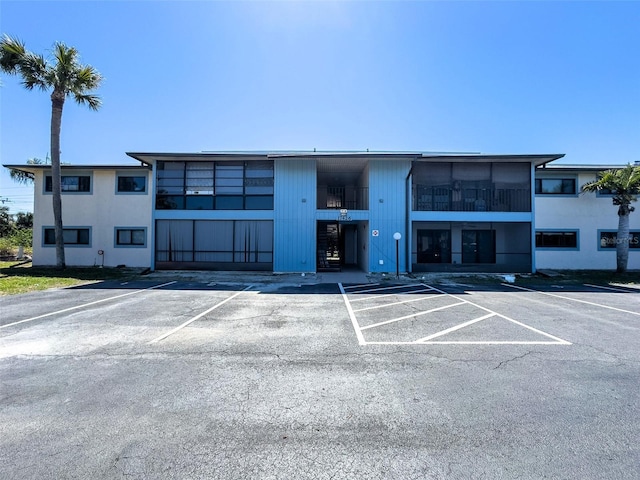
{"x":351,"y":276}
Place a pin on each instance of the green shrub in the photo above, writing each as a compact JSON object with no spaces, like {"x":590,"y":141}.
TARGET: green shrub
{"x":22,"y":236}
{"x":17,"y":237}
{"x":6,"y":246}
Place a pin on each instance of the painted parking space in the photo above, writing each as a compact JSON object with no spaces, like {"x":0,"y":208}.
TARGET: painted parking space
{"x":51,"y":312}
{"x":115,"y":322}
{"x":421,"y":314}
{"x":618,"y":299}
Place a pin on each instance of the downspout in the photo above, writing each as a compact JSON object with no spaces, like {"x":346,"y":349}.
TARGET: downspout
{"x":407,"y":211}
{"x":532,"y":182}
{"x":152,"y":238}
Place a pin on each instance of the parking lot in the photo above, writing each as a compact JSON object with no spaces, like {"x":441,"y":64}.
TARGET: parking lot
{"x":174,"y":378}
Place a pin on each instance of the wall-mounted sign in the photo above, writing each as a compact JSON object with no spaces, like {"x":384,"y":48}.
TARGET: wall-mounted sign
{"x":344,"y":215}
{"x":375,"y":233}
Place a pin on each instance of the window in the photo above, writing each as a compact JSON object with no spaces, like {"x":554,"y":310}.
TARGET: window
{"x":131,"y":237}
{"x":70,"y":183}
{"x":215,"y":241}
{"x":434,"y":246}
{"x":604,"y":192}
{"x":557,"y":239}
{"x":555,"y":186}
{"x":214,"y":186}
{"x":71,"y":236}
{"x":132,"y":184}
{"x":478,"y":246}
{"x":609,"y":240}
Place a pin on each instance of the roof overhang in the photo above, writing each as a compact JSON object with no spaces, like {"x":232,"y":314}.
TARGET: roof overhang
{"x":580,"y":168}
{"x":537,"y":160}
{"x":150,"y":157}
{"x":36,"y":168}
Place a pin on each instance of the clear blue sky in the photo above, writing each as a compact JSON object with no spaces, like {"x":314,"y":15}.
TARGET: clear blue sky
{"x":490,"y":77}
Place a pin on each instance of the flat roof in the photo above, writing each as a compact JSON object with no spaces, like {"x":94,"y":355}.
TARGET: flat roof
{"x":536,"y":159}
{"x":34,"y":168}
{"x":580,"y":167}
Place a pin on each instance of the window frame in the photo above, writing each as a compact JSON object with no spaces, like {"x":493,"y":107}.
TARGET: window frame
{"x":633,"y":246}
{"x":574,"y":178}
{"x":67,"y":245}
{"x":144,"y":175}
{"x":225,"y":179}
{"x":116,"y":230}
{"x":604,"y":195}
{"x":68,"y":192}
{"x":557,"y":230}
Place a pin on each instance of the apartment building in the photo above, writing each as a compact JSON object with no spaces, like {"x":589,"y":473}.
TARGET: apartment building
{"x":326,"y":211}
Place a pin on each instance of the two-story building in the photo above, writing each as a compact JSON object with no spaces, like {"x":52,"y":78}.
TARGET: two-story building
{"x":324,"y":211}
{"x":577,"y":230}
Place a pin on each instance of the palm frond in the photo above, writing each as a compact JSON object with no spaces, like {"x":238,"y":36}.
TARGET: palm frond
{"x":92,"y":101}
{"x":623,"y":183}
{"x":20,"y":176}
{"x":34,"y":69}
{"x":87,"y":78}
{"x":12,"y":52}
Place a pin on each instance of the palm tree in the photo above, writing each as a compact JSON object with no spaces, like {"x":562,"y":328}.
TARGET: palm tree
{"x":624,"y":184}
{"x":23,"y":177}
{"x":64,"y":76}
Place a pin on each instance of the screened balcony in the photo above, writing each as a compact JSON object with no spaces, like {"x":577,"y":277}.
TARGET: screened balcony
{"x":349,"y":197}
{"x":342,"y":183}
{"x":464,"y":187}
{"x":449,"y":199}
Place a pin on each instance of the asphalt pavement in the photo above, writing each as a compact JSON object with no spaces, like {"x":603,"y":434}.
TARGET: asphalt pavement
{"x":279,"y":377}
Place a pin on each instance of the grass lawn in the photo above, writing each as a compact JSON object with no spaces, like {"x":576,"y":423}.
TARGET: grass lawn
{"x":16,"y":278}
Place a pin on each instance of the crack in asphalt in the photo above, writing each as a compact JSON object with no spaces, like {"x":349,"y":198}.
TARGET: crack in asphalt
{"x":504,"y":362}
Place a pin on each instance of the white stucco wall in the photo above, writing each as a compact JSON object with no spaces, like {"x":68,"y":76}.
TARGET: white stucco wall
{"x":102,"y":210}
{"x":586,"y":213}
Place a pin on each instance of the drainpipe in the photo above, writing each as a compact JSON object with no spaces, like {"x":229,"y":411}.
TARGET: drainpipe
{"x":407,"y":211}
{"x":152,"y":230}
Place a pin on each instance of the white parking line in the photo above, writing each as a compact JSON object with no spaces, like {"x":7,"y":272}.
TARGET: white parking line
{"x":352,"y":316}
{"x":457,"y":327}
{"x":392,"y":287}
{"x":421,"y":299}
{"x":411,"y":316}
{"x":558,"y":340}
{"x":362,"y":285}
{"x":84,"y":305}
{"x":572,"y":299}
{"x":469,"y":342}
{"x":429,"y":339}
{"x":391,"y":295}
{"x":188,"y":322}
{"x":608,"y":288}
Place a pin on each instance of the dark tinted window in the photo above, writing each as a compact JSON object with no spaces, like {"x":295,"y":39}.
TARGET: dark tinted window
{"x":556,"y":239}
{"x":556,"y":186}
{"x":132,"y":184}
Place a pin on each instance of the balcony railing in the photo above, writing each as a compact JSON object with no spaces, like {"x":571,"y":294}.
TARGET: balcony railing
{"x":446,"y":199}
{"x":351,"y":198}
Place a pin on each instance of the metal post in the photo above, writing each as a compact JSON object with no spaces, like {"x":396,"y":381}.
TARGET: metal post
{"x":397,"y":236}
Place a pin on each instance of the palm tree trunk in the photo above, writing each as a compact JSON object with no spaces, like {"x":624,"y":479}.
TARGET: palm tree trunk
{"x":57,"y":103}
{"x":622,"y":239}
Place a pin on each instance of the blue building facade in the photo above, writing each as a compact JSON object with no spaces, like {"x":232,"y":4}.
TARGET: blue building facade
{"x":325,"y":211}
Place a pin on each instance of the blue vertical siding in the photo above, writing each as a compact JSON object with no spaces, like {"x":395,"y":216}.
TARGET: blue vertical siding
{"x":387,"y":213}
{"x":294,"y":219}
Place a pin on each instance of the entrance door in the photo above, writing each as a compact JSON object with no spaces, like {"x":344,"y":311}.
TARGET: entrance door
{"x":434,"y":246}
{"x":329,"y":247}
{"x":478,"y":246}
